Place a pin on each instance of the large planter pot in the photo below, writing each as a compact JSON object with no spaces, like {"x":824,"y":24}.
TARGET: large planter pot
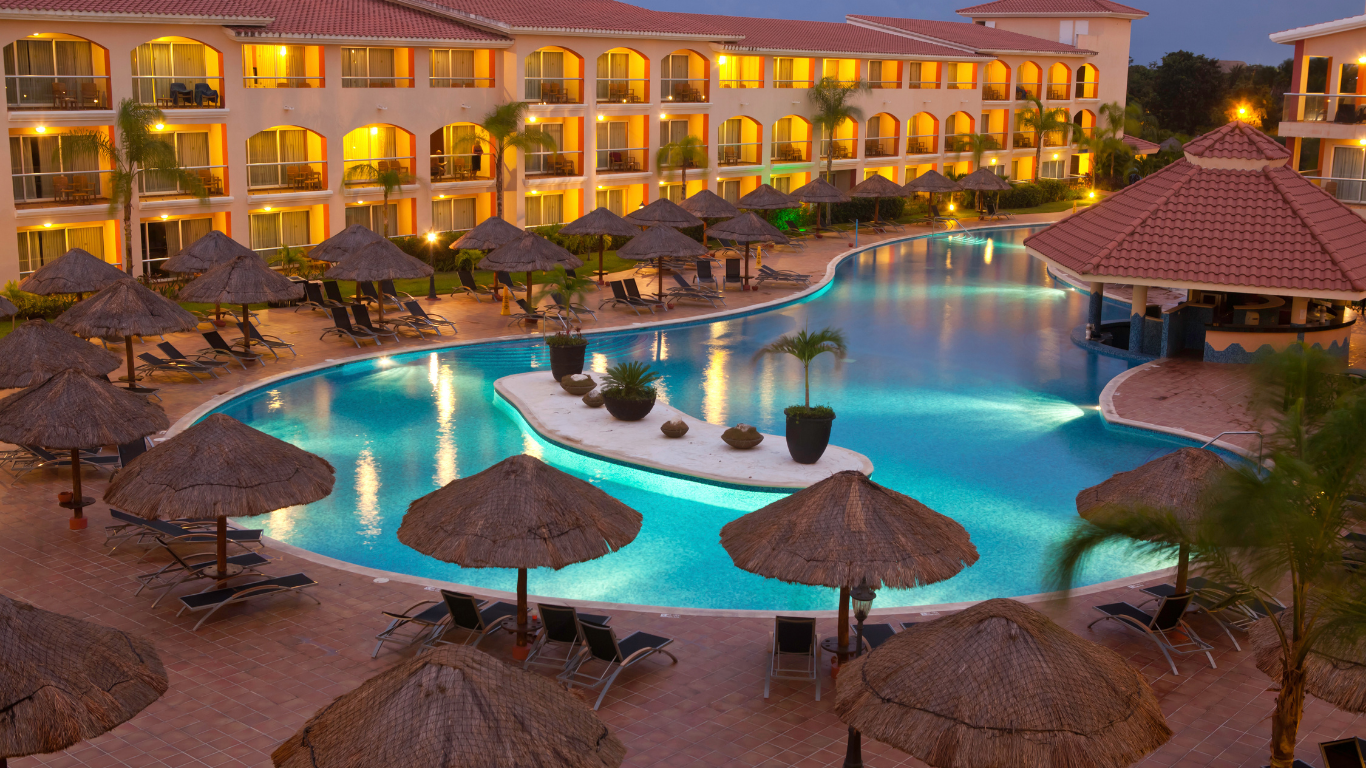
{"x":566,"y":360}
{"x":807,"y":437}
{"x":628,"y":410}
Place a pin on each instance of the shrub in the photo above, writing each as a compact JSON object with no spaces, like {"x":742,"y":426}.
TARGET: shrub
{"x":566,"y":339}
{"x":629,"y":381}
{"x":31,"y":305}
{"x":861,"y":208}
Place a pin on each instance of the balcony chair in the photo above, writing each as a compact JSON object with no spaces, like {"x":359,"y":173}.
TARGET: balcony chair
{"x":203,"y":93}
{"x":90,"y":95}
{"x":61,"y":188}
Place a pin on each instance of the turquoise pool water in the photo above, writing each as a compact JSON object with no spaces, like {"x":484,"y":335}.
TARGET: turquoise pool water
{"x":962,"y":386}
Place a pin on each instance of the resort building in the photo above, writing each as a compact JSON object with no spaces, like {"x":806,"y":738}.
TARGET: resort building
{"x":287,"y":110}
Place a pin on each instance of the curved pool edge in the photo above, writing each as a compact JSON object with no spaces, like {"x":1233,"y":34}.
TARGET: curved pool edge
{"x":1112,"y":417}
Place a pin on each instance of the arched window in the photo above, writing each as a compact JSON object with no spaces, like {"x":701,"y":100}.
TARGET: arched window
{"x":286,"y":157}
{"x":1088,"y":81}
{"x":922,"y":134}
{"x":1059,"y":80}
{"x":685,"y":77}
{"x":554,"y":75}
{"x":623,"y":77}
{"x":791,"y":140}
{"x":56,"y":71}
{"x":1028,"y":81}
{"x":880,"y":140}
{"x":957,"y":128}
{"x":458,"y":153}
{"x":376,"y":149}
{"x":739,"y":142}
{"x":177,"y":72}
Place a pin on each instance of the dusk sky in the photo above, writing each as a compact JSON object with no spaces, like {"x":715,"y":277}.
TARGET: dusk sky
{"x":1223,"y":29}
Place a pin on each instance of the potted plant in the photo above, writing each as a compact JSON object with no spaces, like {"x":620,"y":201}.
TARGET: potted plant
{"x":567,"y":351}
{"x":627,"y":390}
{"x":808,"y":428}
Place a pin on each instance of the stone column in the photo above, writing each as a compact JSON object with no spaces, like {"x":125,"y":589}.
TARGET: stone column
{"x":1299,"y":310}
{"x":1137,"y":310}
{"x":1094,"y":312}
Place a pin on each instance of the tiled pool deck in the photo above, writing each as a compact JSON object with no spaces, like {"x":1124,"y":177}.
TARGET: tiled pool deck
{"x":251,"y":678}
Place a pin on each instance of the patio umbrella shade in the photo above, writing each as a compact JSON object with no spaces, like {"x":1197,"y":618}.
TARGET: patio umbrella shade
{"x":529,"y":253}
{"x":663,"y":211}
{"x":748,"y":228}
{"x":216,"y":469}
{"x":658,"y":242}
{"x":932,"y":182}
{"x":520,"y":513}
{"x":36,"y":350}
{"x":76,"y":271}
{"x":1001,"y":684}
{"x":244,"y":280}
{"x":818,"y":191}
{"x":378,"y":260}
{"x":491,"y":233}
{"x":126,"y":309}
{"x":766,"y":198}
{"x":1178,"y":483}
{"x":206,"y":253}
{"x":706,"y":204}
{"x":983,"y":180}
{"x":64,"y":680}
{"x":603,"y":223}
{"x":877,"y":187}
{"x":451,"y":708}
{"x":7,"y":308}
{"x":73,"y":410}
{"x":344,"y":243}
{"x":1334,"y":672}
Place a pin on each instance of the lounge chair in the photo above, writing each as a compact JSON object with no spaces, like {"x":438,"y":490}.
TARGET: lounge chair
{"x":685,"y":290}
{"x":314,"y":298}
{"x":418,"y":317}
{"x":704,"y":274}
{"x":386,"y":328}
{"x":601,"y":645}
{"x":184,"y":568}
{"x":367,"y":293}
{"x":213,"y":600}
{"x":529,"y":315}
{"x":341,"y":325}
{"x":559,"y":630}
{"x":386,"y":287}
{"x":505,"y":280}
{"x":1165,"y":627}
{"x":469,"y":287}
{"x":476,"y":620}
{"x":1342,"y":753}
{"x":218,"y":346}
{"x":620,"y":299}
{"x":782,"y":276}
{"x":37,"y":457}
{"x":169,"y":350}
{"x":269,"y":342}
{"x":794,"y":640}
{"x":169,"y":533}
{"x":152,"y":364}
{"x":334,"y":294}
{"x":876,"y":634}
{"x":633,"y":291}
{"x":733,"y":274}
{"x":573,"y":308}
{"x":1227,"y":606}
{"x":424,"y":622}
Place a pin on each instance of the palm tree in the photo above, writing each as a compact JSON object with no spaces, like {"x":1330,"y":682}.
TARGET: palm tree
{"x":806,"y":346}
{"x":389,"y":179}
{"x":687,"y":152}
{"x":133,"y":150}
{"x":503,"y":131}
{"x":831,"y":98}
{"x":1279,"y":526}
{"x":979,"y":144}
{"x":1042,"y":122}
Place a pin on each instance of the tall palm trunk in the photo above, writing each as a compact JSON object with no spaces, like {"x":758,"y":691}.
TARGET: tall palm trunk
{"x":1038,"y":157}
{"x":1285,"y":719}
{"x":128,"y":235}
{"x":498,"y":180}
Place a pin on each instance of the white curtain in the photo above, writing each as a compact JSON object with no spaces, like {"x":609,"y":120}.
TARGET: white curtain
{"x":294,"y":228}
{"x":90,"y":239}
{"x":265,"y":230}
{"x":1348,"y":163}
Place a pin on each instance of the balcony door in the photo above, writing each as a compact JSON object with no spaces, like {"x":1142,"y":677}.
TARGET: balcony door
{"x":543,"y":67}
{"x":270,"y":153}
{"x":543,"y":160}
{"x":156,"y":66}
{"x":612,"y":143}
{"x":1349,"y":164}
{"x":614,"y":69}
{"x":192,"y":153}
{"x":674,"y":77}
{"x":613,"y":200}
{"x":39,"y":166}
{"x":33,"y":67}
{"x":455,"y":215}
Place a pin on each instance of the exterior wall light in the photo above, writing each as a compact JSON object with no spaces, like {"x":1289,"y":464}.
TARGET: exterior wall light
{"x":160,"y":126}
{"x":41,"y":129}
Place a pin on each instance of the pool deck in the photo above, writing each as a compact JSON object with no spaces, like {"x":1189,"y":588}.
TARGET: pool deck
{"x":251,"y":678}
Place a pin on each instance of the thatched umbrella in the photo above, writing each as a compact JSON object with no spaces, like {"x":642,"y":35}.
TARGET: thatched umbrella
{"x":73,"y":410}
{"x":64,"y":680}
{"x":245,"y":280}
{"x":452,"y":708}
{"x":344,"y":243}
{"x":818,"y":191}
{"x":847,"y":530}
{"x":1333,"y":671}
{"x":7,"y":309}
{"x":983,"y":180}
{"x":932,"y":183}
{"x":748,"y":228}
{"x":217,"y":469}
{"x":603,"y":223}
{"x":519,"y":513}
{"x":205,"y":253}
{"x":877,"y":187}
{"x":663,"y":211}
{"x":126,"y":309}
{"x":1177,"y":483}
{"x":37,"y":350}
{"x":76,"y":271}
{"x":379,"y":260}
{"x":490,"y":234}
{"x":766,"y":198}
{"x":529,"y":253}
{"x":1001,"y":684}
{"x":658,"y":242}
{"x":706,"y":204}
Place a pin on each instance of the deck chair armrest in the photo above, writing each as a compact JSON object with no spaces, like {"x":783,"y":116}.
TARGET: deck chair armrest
{"x":408,"y":611}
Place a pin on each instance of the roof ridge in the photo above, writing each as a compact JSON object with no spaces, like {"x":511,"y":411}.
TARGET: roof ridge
{"x":1312,"y":227}
{"x":1133,"y":225}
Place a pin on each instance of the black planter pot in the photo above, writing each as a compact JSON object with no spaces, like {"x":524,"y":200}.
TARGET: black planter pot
{"x":628,"y":410}
{"x":807,"y":437}
{"x":567,"y":360}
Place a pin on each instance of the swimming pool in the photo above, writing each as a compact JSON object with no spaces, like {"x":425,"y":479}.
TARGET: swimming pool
{"x":962,"y":386}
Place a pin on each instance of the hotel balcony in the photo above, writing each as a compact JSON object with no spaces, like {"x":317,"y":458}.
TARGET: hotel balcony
{"x":927,"y":144}
{"x":738,"y":154}
{"x":179,"y":92}
{"x":56,"y":92}
{"x":1025,"y":140}
{"x":62,"y":188}
{"x":212,"y":180}
{"x":286,"y":177}
{"x":628,"y":160}
{"x":1057,"y":92}
{"x":623,"y":91}
{"x":995,"y":91}
{"x":1346,"y":190}
{"x":462,"y":167}
{"x":558,"y":90}
{"x":791,"y":151}
{"x":880,"y":147}
{"x":550,"y":164}
{"x":363,"y":172}
{"x":838,"y":149}
{"x":1026,"y":91}
{"x":691,"y":91}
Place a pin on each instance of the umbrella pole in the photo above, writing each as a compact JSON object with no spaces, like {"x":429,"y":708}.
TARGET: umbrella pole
{"x":1183,"y":566}
{"x":747,"y":266}
{"x":521,"y":608}
{"x":76,"y":498}
{"x":222,"y":545}
{"x":602,"y":251}
{"x":128,"y":348}
{"x":842,"y":627}
{"x":528,"y":290}
{"x":659,"y":278}
{"x":246,"y":337}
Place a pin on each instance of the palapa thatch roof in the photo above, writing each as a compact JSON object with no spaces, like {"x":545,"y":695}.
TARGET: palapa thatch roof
{"x":1176,"y":482}
{"x":205,"y":253}
{"x":75,"y":410}
{"x":847,"y":529}
{"x":1335,"y":671}
{"x":219,"y":467}
{"x":380,"y":260}
{"x":244,"y":280}
{"x":660,"y":241}
{"x":931,"y":181}
{"x":876,"y":185}
{"x":7,"y":308}
{"x":36,"y":350}
{"x":600,"y":221}
{"x":76,"y":271}
{"x":1001,"y":684}
{"x":344,"y":243}
{"x":529,"y":253}
{"x":983,"y":180}
{"x":706,"y":204}
{"x":748,"y":227}
{"x":818,"y":190}
{"x":126,"y":308}
{"x":64,"y":680}
{"x":519,"y":513}
{"x":491,"y":233}
{"x":453,"y":708}
{"x":766,"y":198}
{"x":663,"y":211}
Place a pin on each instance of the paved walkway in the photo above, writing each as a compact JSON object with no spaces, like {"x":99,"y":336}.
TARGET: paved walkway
{"x":251,"y":678}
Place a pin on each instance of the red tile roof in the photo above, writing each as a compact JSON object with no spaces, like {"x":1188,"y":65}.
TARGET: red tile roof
{"x":1261,"y":230}
{"x":1238,"y":141}
{"x":1141,"y":146}
{"x":1051,"y":8}
{"x":826,"y":36}
{"x":355,"y":19}
{"x":207,"y":9}
{"x":974,"y":36}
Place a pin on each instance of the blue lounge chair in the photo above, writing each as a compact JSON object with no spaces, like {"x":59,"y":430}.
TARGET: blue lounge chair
{"x":471,"y":618}
{"x":419,"y":315}
{"x":425,"y":621}
{"x":602,"y":648}
{"x":271,"y":343}
{"x":341,"y":325}
{"x":560,"y":630}
{"x":1165,"y":627}
{"x":218,"y":346}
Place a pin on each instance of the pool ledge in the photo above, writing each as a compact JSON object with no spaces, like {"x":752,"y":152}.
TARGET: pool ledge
{"x":563,"y":419}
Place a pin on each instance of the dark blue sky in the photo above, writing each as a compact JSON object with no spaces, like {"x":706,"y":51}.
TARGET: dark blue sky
{"x":1223,"y":29}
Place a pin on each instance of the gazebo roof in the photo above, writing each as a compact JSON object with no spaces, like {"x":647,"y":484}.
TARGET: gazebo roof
{"x":1229,"y":217}
{"x":1140,"y":147}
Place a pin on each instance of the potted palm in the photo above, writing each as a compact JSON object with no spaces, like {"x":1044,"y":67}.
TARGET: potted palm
{"x":808,"y":427}
{"x":627,"y":391}
{"x":567,"y":352}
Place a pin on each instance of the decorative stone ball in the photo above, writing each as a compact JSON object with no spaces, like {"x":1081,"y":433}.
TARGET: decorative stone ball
{"x":593,"y":399}
{"x":742,"y":436}
{"x":674,"y":428}
{"x":578,"y":383}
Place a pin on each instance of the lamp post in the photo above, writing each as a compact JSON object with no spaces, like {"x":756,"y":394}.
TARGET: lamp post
{"x":431,"y":259}
{"x":862,"y":598}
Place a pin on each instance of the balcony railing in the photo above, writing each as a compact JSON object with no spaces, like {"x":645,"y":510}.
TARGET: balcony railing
{"x":272,"y":252}
{"x":392,"y":81}
{"x":738,"y":154}
{"x":1026,"y":91}
{"x":1057,"y":92}
{"x":282,"y":82}
{"x":461,"y":82}
{"x":466,"y":166}
{"x":880,"y":147}
{"x":792,"y":83}
{"x":884,"y":84}
{"x":684,"y":91}
{"x":1025,"y":140}
{"x":178,"y":92}
{"x":212,"y":179}
{"x":838,"y":149}
{"x":926,"y":144}
{"x":1088,"y":89}
{"x":923,"y":85}
{"x":56,"y":92}
{"x":618,"y":91}
{"x":558,"y":90}
{"x":1078,"y":133}
{"x":957,"y":142}
{"x":962,"y":85}
{"x":995,"y":91}
{"x":361,"y":178}
{"x":1054,"y":139}
{"x":287,"y":176}
{"x":742,"y":83}
{"x":1348,"y":109}
{"x":791,"y":151}
{"x":1351,"y":191}
{"x":62,"y":187}
{"x":630,"y":160}
{"x":543,"y":164}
